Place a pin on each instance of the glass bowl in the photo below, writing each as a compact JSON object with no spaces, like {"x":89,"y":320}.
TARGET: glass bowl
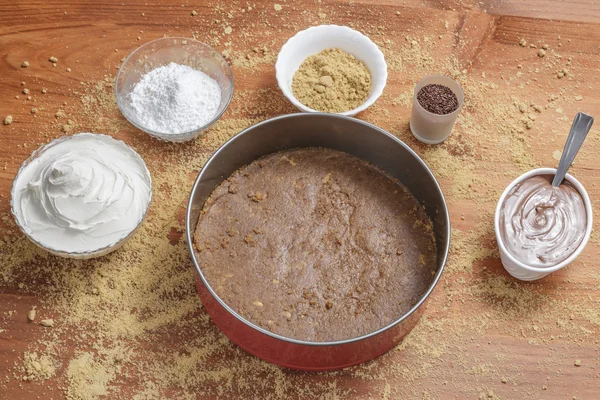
{"x":160,"y":52}
{"x":63,"y":252}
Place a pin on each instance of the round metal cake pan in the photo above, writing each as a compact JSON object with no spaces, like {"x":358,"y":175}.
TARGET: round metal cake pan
{"x":336,"y":132}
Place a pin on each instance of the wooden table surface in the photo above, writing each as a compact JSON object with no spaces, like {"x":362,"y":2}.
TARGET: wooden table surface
{"x":130,"y":325}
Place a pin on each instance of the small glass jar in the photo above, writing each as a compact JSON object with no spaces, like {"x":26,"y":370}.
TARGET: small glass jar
{"x":433,"y":128}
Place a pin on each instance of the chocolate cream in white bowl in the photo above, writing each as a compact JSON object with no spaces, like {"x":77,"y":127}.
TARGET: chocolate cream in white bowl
{"x":542,"y":225}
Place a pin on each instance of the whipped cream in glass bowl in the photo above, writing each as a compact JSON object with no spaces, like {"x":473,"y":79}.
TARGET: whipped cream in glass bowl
{"x":81,"y":196}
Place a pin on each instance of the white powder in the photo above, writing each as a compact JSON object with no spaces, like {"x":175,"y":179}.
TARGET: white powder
{"x":175,"y":98}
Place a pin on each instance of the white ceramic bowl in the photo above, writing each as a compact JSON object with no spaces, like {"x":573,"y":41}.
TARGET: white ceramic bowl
{"x":318,"y":38}
{"x":83,"y":254}
{"x":521,"y":270}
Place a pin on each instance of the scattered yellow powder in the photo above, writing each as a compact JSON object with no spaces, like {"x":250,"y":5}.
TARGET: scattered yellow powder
{"x":98,"y":107}
{"x":31,"y":314}
{"x":37,"y":367}
{"x":557,"y":154}
{"x":88,"y":378}
{"x":404,"y":99}
{"x":48,"y":323}
{"x":332,"y":81}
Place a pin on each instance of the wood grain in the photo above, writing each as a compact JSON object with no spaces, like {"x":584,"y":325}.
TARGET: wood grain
{"x":91,"y":38}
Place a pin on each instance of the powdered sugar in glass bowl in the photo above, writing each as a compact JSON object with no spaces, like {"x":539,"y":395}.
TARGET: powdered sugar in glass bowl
{"x":184,"y":60}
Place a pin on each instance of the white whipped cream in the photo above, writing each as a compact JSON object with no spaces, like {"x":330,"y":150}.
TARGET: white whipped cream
{"x":82,"y":193}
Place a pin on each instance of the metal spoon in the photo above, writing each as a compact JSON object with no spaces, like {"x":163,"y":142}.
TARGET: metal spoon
{"x":579,"y":130}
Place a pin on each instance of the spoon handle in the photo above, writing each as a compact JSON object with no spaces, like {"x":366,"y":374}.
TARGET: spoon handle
{"x":579,"y":130}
